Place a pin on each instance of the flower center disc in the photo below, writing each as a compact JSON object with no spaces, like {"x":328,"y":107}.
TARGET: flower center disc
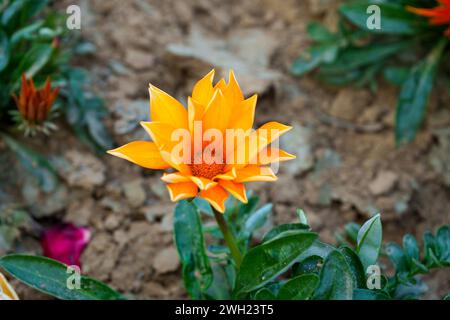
{"x":205,"y":170}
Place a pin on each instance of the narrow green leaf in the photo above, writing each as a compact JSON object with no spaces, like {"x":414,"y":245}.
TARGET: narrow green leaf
{"x":25,"y":32}
{"x":396,"y":75}
{"x":98,"y":131}
{"x":299,"y":288}
{"x":411,"y":247}
{"x":366,"y":294}
{"x":33,"y":61}
{"x":188,"y":233}
{"x":4,"y":50}
{"x":394,"y":18}
{"x":282,"y":228}
{"x":257,"y":219}
{"x":357,"y":57}
{"x":314,"y":57}
{"x":443,"y":244}
{"x":52,"y":277}
{"x":397,"y":257}
{"x":265,"y":262}
{"x":302,"y":216}
{"x":336,"y":279}
{"x":220,"y":288}
{"x":369,"y":241}
{"x":34,"y":163}
{"x":414,"y":95}
{"x":319,"y":33}
{"x":12,"y":10}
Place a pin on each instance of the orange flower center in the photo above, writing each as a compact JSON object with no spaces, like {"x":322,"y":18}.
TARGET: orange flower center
{"x":205,"y":170}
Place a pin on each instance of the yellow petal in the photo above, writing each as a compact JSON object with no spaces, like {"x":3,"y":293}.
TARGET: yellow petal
{"x":221,"y":85}
{"x":272,"y":154}
{"x":182,"y":190}
{"x":142,"y":153}
{"x":217,"y":114}
{"x":195,"y":112}
{"x":175,"y":163}
{"x":272,"y":130}
{"x":203,"y":183}
{"x":161,"y":134}
{"x":6,"y":291}
{"x":236,"y":189}
{"x":230,"y":175}
{"x":244,"y":118}
{"x":233,"y":92}
{"x":175,"y":177}
{"x":255,"y":143}
{"x":253,"y":173}
{"x":203,"y":89}
{"x":247,"y":152}
{"x":216,"y":196}
{"x":166,"y":109}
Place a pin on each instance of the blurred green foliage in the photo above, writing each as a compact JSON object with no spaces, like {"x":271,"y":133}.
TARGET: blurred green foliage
{"x":290,"y":262}
{"x":34,"y":41}
{"x":406,"y":50}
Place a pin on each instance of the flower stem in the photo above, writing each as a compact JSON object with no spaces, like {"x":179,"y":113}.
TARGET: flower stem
{"x":229,"y":238}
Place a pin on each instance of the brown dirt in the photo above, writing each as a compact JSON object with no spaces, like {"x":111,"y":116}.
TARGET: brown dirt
{"x":347,"y":168}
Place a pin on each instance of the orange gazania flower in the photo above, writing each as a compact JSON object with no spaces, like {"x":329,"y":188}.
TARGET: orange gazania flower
{"x":217,"y":109}
{"x":6,"y":291}
{"x":438,"y":16}
{"x":35,"y":105}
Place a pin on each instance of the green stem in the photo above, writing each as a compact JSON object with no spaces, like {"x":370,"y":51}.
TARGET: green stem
{"x":229,"y":238}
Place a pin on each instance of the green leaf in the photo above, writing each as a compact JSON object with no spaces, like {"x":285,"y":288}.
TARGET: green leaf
{"x":12,"y":10}
{"x":366,"y":294}
{"x":443,"y":244}
{"x":34,"y":163}
{"x":429,"y":244}
{"x":188,"y":233}
{"x":264,"y":294}
{"x":203,"y":206}
{"x":319,"y":33}
{"x":299,"y":288}
{"x":301,"y":216}
{"x":394,"y":18}
{"x":282,"y":228}
{"x":317,"y":249}
{"x":414,"y":95}
{"x":4,"y":50}
{"x":336,"y":279}
{"x":52,"y":277}
{"x":25,"y":32}
{"x":257,"y":219}
{"x":265,"y":262}
{"x":396,"y":75}
{"x":314,"y":57}
{"x":397,"y":257}
{"x":351,"y":230}
{"x":220,"y":288}
{"x":357,"y":57}
{"x":411,"y":247}
{"x":356,"y":267}
{"x":369,"y":241}
{"x":34,"y":7}
{"x":311,"y":264}
{"x":33,"y":61}
{"x":98,"y":131}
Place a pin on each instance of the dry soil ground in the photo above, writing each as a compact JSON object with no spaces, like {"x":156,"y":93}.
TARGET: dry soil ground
{"x":347,"y":165}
